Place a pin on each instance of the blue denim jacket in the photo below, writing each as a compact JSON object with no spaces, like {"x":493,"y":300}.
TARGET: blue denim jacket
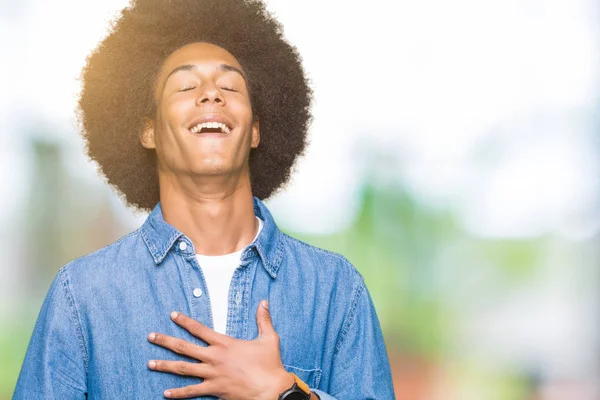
{"x":90,"y":339}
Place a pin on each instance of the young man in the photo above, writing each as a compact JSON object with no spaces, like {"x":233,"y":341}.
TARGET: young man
{"x":196,"y":110}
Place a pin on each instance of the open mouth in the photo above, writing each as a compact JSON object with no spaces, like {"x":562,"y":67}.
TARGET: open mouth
{"x":211,"y":127}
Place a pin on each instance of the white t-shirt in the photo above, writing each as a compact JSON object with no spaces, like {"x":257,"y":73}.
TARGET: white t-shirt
{"x":218,"y":271}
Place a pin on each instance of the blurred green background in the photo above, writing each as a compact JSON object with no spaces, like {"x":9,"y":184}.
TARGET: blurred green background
{"x":454,"y":160}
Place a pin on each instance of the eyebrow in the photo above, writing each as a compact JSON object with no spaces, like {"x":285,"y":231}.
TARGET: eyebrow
{"x":191,"y":67}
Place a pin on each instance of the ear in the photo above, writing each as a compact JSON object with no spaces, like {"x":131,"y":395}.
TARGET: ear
{"x":255,"y":134}
{"x":147,"y":135}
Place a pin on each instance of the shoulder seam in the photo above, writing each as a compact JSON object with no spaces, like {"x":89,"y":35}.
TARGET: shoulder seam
{"x":74,"y":315}
{"x":350,"y":316}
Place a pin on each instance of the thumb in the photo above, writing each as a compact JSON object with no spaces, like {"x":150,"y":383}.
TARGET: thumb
{"x":263,"y":319}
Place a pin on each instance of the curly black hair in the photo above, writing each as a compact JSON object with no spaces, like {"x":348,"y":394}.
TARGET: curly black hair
{"x":118,"y":81}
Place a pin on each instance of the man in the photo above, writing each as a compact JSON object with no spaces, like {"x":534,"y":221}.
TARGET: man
{"x":196,"y":110}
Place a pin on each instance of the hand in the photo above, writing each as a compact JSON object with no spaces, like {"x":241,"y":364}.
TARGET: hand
{"x":232,"y":369}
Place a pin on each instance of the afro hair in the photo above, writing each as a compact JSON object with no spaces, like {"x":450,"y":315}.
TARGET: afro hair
{"x":118,"y":81}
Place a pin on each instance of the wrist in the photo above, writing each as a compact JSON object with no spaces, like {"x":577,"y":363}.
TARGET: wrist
{"x":282,"y":382}
{"x":298,"y":390}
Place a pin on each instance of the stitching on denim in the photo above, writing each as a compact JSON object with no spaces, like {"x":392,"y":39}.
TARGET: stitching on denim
{"x":318,"y":378}
{"x":245,"y":302}
{"x":159,"y":254}
{"x":74,"y":315}
{"x":278,"y":253}
{"x":272,"y":265}
{"x":349,"y":316}
{"x":231,"y":301}
{"x":168,"y":245}
{"x":150,"y":244}
{"x":266,"y":262}
{"x":302,"y":369}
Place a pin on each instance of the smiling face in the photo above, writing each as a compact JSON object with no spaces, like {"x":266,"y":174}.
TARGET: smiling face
{"x":203,"y":123}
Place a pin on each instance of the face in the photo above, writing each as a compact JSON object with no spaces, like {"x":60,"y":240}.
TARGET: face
{"x":203,"y":123}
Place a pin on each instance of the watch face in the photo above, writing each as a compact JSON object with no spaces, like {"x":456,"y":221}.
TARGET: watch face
{"x":296,"y":395}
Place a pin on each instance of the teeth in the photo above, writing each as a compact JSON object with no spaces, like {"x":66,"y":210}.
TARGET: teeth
{"x":211,"y":125}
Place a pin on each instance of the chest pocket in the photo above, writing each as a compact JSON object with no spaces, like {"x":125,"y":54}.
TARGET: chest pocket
{"x":311,"y":377}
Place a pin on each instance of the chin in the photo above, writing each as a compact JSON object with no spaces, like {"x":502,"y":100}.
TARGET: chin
{"x":212,"y":168}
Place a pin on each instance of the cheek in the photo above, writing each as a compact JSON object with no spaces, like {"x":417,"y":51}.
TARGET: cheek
{"x":174,"y":111}
{"x":169,"y":119}
{"x":243,"y":109}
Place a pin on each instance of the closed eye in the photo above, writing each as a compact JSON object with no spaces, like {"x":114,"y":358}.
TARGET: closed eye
{"x":185,"y":89}
{"x":229,"y":89}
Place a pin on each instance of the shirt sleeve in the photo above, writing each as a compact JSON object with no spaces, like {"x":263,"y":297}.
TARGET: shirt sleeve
{"x":55,"y":363}
{"x":361,"y":369}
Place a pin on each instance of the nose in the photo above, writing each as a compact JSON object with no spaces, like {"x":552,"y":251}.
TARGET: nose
{"x":210,"y":94}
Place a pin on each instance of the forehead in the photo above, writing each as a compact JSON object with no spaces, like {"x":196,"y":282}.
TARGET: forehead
{"x":198,"y":53}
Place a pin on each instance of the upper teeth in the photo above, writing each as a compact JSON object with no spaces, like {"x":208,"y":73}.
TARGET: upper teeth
{"x":211,"y":125}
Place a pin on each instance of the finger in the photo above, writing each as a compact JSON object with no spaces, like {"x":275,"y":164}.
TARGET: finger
{"x":196,"y":328}
{"x":183,"y":368}
{"x":186,"y":392}
{"x":179,"y":346}
{"x":263,"y":319}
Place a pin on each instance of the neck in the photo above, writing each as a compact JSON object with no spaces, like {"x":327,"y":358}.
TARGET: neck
{"x":218,"y":221}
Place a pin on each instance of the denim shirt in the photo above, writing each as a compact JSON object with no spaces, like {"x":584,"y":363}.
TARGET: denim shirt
{"x":90,"y":339}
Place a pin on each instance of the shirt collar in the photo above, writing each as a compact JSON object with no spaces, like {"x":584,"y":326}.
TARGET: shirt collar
{"x":160,"y":237}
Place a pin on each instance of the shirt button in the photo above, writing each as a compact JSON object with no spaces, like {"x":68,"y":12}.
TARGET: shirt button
{"x":238,"y":298}
{"x":197,"y":292}
{"x":182,"y":246}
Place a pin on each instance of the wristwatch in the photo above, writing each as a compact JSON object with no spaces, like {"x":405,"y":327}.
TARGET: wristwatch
{"x":298,"y":391}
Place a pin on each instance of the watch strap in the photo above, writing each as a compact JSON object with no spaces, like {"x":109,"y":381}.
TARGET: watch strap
{"x":301,"y":385}
{"x":299,"y":388}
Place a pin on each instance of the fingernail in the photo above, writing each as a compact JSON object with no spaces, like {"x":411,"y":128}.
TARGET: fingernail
{"x":151,"y":337}
{"x":167,"y":393}
{"x":152,"y":364}
{"x":265,"y":304}
{"x":174,"y":315}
